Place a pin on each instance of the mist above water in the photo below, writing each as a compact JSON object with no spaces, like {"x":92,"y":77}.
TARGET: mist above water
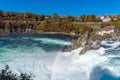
{"x":101,"y":64}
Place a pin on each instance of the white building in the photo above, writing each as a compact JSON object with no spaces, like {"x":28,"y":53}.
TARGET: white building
{"x":105,"y":18}
{"x":106,"y":30}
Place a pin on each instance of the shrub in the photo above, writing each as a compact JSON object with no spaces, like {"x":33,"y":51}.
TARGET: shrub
{"x":6,"y":74}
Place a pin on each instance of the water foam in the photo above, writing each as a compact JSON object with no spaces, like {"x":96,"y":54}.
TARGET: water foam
{"x":71,"y":66}
{"x":50,"y":41}
{"x":68,"y":65}
{"x":26,"y":54}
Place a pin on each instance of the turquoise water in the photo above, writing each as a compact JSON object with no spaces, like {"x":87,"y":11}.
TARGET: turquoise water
{"x":41,"y":55}
{"x":31,"y":53}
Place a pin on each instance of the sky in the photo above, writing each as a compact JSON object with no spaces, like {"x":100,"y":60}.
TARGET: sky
{"x":63,"y":7}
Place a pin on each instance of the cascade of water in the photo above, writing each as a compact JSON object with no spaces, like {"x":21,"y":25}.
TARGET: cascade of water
{"x":93,"y":65}
{"x":30,"y":54}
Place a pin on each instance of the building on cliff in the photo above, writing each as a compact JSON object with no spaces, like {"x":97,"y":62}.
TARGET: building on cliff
{"x":107,"y":30}
{"x":105,"y":18}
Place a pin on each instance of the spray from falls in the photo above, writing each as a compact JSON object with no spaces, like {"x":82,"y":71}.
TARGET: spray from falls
{"x":71,"y":66}
{"x":36,"y":55}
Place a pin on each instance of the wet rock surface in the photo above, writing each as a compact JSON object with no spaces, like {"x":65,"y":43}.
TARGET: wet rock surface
{"x":85,"y":41}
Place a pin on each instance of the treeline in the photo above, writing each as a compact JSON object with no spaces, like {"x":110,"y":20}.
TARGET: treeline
{"x":14,"y":22}
{"x":15,"y":27}
{"x":44,"y":26}
{"x":26,"y":16}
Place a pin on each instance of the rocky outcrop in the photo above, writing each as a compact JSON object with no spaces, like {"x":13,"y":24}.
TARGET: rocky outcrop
{"x":81,"y":42}
{"x":96,"y":45}
{"x":85,"y":41}
{"x":91,"y":45}
{"x":87,"y":48}
{"x":70,"y":48}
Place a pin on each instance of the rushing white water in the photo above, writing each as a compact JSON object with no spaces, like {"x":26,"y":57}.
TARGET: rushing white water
{"x":61,"y":42}
{"x":101,"y":64}
{"x":37,"y":55}
{"x":50,"y":41}
{"x":33,"y":55}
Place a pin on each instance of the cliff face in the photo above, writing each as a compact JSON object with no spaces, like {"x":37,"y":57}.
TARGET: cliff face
{"x":87,"y":48}
{"x":82,"y":41}
{"x":85,"y":41}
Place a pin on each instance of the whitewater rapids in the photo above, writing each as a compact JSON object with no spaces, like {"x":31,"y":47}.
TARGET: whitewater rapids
{"x":31,"y":54}
{"x":101,"y":64}
{"x":41,"y":56}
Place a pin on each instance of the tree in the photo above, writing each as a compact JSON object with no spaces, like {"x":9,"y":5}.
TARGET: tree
{"x":27,"y":15}
{"x":1,"y":13}
{"x":70,"y":19}
{"x":40,"y":17}
{"x":55,"y":17}
{"x":6,"y":74}
{"x":42,"y":26}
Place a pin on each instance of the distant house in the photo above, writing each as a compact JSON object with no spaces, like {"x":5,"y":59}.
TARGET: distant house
{"x":107,"y":30}
{"x":105,"y":18}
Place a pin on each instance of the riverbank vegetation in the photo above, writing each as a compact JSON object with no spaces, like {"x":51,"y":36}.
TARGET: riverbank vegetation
{"x":15,"y":22}
{"x":7,"y":74}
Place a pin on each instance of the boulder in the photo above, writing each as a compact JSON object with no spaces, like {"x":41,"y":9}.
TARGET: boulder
{"x":70,"y":48}
{"x":96,"y":44}
{"x":87,"y":48}
{"x":83,"y":40}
